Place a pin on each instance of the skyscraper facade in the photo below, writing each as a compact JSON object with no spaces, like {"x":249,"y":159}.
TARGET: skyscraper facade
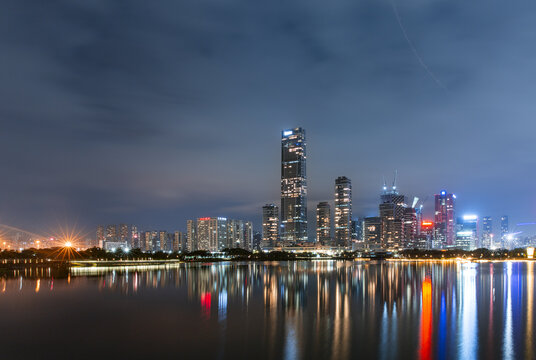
{"x":467,"y":232}
{"x":134,"y":237}
{"x":445,"y":224}
{"x":212,"y":233}
{"x":248,"y":236}
{"x":100,"y":236}
{"x":162,"y":241}
{"x":293,"y":186}
{"x":147,"y":243}
{"x":487,"y":232}
{"x":323,"y":223}
{"x":410,"y":227}
{"x":270,"y":226}
{"x":111,"y":233}
{"x":505,"y":229}
{"x":191,"y":240}
{"x":372,"y":232}
{"x":343,"y":211}
{"x":426,"y":235}
{"x":357,"y":230}
{"x":178,"y":241}
{"x":123,"y":232}
{"x":392,"y":208}
{"x":236,"y":234}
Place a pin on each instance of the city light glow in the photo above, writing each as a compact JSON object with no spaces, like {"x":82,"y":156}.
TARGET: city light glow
{"x":470,"y":217}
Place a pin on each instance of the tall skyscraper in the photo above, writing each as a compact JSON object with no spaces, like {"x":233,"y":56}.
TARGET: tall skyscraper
{"x":505,"y":229}
{"x":270,"y":226}
{"x":392,"y":208}
{"x":410,"y":227}
{"x":343,"y":211}
{"x":191,"y":241}
{"x":487,"y":233}
{"x":445,"y":224}
{"x":323,"y":223}
{"x":248,"y":236}
{"x":293,"y":186}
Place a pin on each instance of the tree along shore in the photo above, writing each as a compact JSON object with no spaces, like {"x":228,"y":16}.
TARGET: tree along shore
{"x":44,"y":257}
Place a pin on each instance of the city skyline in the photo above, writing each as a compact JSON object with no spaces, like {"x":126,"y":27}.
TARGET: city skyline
{"x":93,"y":147}
{"x":400,"y":224}
{"x":496,"y":227}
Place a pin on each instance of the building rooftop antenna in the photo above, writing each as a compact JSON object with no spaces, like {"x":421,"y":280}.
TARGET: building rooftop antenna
{"x":394,"y":182}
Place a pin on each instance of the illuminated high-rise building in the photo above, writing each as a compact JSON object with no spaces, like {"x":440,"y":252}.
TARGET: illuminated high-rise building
{"x":191,"y":241}
{"x":155,"y":243}
{"x":123,"y":232}
{"x":257,"y":241}
{"x":134,"y":237}
{"x":162,"y":241}
{"x":235,"y":234}
{"x":505,"y":229}
{"x":270,"y":226}
{"x":487,"y":232}
{"x":410,"y":227}
{"x":426,"y":235}
{"x":293,"y":186}
{"x":343,"y":211}
{"x":467,"y":232}
{"x":372,"y":232}
{"x":357,"y":230}
{"x":248,"y":236}
{"x":445,"y":224}
{"x":392,"y":209}
{"x":147,"y":241}
{"x":323,"y":223}
{"x":111,"y":233}
{"x":212,"y":233}
{"x":178,"y":241}
{"x":100,"y":236}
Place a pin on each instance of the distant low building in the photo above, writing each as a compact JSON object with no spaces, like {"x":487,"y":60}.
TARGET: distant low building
{"x":467,"y":232}
{"x":372,"y":232}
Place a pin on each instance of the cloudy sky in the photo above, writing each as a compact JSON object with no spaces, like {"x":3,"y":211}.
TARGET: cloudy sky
{"x":153,"y":112}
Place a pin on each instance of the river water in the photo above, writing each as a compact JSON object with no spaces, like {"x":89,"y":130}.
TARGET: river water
{"x":273,"y":310}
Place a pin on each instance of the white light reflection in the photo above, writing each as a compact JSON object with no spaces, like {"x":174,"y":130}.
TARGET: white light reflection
{"x":529,"y":352}
{"x":291,"y":348}
{"x":508,"y":350}
{"x":468,"y":334}
{"x":384,"y":334}
{"x":222,"y":305}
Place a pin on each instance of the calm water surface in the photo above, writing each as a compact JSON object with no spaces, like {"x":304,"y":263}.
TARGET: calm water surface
{"x":274,"y":310}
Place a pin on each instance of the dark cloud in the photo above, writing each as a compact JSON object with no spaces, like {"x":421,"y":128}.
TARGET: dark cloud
{"x":155,"y":112}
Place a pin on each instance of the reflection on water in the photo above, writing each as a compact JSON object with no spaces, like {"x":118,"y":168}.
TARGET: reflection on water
{"x":290,"y":310}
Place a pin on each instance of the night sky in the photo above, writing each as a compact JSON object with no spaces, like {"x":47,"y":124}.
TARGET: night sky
{"x":153,"y":112}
